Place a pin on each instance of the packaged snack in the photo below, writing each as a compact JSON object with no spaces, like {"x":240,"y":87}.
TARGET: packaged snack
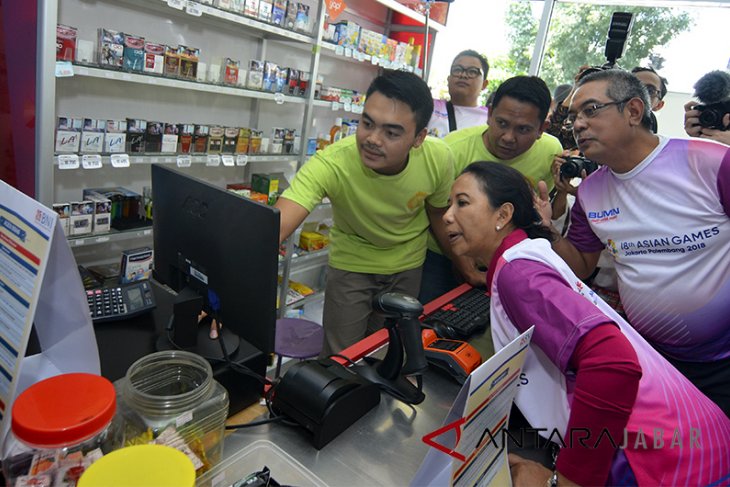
{"x":255,"y":75}
{"x":200,"y":139}
{"x":68,"y":134}
{"x":92,"y":136}
{"x":185,"y":138}
{"x":154,"y":58}
{"x":215,"y":139}
{"x":172,"y":62}
{"x":111,"y":48}
{"x":65,"y":42}
{"x":189,"y":57}
{"x":133,"y":52}
{"x":265,"y":8}
{"x":116,"y":136}
{"x":136,"y":129}
{"x":271,"y":71}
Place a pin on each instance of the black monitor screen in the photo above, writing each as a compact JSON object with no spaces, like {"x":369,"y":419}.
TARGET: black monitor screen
{"x":221,"y":245}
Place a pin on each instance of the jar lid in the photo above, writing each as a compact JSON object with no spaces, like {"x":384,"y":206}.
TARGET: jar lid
{"x":64,"y":409}
{"x":140,"y":466}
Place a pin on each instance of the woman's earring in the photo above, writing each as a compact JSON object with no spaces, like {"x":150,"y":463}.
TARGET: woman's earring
{"x":498,"y":228}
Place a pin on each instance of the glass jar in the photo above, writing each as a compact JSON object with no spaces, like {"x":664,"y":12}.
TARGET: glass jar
{"x":171,"y":398}
{"x":59,"y":426}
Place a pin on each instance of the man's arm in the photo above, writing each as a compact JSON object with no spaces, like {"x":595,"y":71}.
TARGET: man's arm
{"x":292,"y":215}
{"x":582,"y":263}
{"x":465,"y":265}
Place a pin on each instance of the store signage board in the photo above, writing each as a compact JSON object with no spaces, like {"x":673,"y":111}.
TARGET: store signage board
{"x":462,"y":453}
{"x":335,"y":8}
{"x":39,"y":286}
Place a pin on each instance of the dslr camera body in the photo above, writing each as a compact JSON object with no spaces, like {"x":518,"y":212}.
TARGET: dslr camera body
{"x":574,"y":165}
{"x":711,"y":115}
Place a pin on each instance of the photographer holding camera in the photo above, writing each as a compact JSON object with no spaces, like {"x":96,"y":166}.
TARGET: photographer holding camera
{"x":661,"y":207}
{"x":711,"y":118}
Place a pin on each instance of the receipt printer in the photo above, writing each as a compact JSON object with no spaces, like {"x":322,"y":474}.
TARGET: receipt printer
{"x":324,"y":397}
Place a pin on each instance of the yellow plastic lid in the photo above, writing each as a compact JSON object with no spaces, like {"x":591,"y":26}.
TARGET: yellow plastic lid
{"x":141,"y":466}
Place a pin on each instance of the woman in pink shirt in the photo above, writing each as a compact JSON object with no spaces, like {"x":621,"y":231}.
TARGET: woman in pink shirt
{"x":626,"y":416}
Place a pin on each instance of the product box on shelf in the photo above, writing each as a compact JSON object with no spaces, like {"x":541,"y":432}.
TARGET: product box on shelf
{"x":265,"y":8}
{"x":136,"y":264}
{"x":290,"y":19}
{"x":200,"y":139}
{"x":244,"y":134}
{"x":329,"y":31}
{"x":189,"y":57}
{"x":154,"y":58}
{"x":282,"y":74}
{"x":84,"y":51}
{"x":185,"y":138}
{"x":255,"y":75}
{"x":289,"y":138}
{"x":136,"y":130}
{"x":350,"y":37}
{"x":271,"y":71}
{"x":92,"y":136}
{"x":230,"y":136}
{"x":303,"y":82}
{"x":172,"y":61}
{"x":82,"y":213}
{"x":229,"y":71}
{"x":223,"y":4}
{"x":133,"y":52}
{"x":302,"y":20}
{"x":102,"y":216}
{"x":238,"y":6}
{"x":251,"y":8}
{"x":64,"y":215}
{"x":66,"y":42}
{"x":267,"y":184}
{"x":169,"y":138}
{"x":277,"y":140}
{"x":111,"y":48}
{"x":153,"y":137}
{"x":116,"y":136}
{"x":68,"y":134}
{"x":278,"y":12}
{"x":254,"y":142}
{"x":292,"y":82}
{"x":215,"y":139}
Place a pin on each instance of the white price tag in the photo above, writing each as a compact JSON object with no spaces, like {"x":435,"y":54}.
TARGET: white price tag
{"x":279,"y":98}
{"x":213,"y":160}
{"x":227,"y":160}
{"x":184,"y":161}
{"x":336,"y":106}
{"x":241,"y":160}
{"x":366,"y":57}
{"x":348,"y":52}
{"x":102,"y":239}
{"x":91,"y":161}
{"x":177,"y":4}
{"x":340,"y":51}
{"x":375,"y":60}
{"x":68,"y":161}
{"x":194,"y":8}
{"x":357,"y":109}
{"x":347,"y":106}
{"x":64,"y":69}
{"x":409,"y":68}
{"x":120,"y":160}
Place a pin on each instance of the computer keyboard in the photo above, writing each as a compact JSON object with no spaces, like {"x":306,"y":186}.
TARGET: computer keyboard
{"x":467,"y":314}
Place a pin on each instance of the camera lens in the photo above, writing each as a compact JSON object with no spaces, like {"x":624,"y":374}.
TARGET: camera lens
{"x":570,"y":169}
{"x":710,"y":118}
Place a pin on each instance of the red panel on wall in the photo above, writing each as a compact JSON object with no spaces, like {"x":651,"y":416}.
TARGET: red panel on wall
{"x":18,"y":21}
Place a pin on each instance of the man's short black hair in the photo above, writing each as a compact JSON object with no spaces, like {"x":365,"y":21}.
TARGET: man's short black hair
{"x":527,"y":89}
{"x":408,"y":88}
{"x":481,"y":57}
{"x":662,"y":80}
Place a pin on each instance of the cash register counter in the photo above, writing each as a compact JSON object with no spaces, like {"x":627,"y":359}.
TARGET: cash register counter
{"x":385,"y":446}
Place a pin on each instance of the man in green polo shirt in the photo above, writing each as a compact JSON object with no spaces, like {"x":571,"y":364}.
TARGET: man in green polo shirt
{"x":513,"y":136}
{"x":387,"y":185}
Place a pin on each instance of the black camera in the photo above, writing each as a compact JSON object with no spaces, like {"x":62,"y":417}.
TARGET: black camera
{"x":574,"y":165}
{"x":711,"y":115}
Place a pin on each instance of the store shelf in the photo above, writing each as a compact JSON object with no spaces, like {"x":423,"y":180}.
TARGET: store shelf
{"x":306,"y":257}
{"x":238,"y":159}
{"x":353,"y":56}
{"x":316,"y":296}
{"x":114,"y":236}
{"x":109,"y":74}
{"x":402,"y":9}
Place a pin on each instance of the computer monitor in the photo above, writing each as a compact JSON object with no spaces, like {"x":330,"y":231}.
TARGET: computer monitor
{"x":222,"y":247}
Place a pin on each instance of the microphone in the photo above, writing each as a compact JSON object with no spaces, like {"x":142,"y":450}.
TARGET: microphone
{"x":713,"y":87}
{"x":713,"y":91}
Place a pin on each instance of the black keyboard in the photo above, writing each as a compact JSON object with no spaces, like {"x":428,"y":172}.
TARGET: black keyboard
{"x":467,"y":313}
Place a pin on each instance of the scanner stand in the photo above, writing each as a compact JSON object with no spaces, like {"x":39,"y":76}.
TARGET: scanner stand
{"x":324,"y":397}
{"x":387,"y":373}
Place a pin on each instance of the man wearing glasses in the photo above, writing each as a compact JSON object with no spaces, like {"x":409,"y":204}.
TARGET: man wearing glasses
{"x":466,"y":81}
{"x":661,"y":207}
{"x":657,"y":88}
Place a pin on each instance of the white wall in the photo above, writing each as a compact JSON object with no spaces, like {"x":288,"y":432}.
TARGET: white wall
{"x":671,"y":117}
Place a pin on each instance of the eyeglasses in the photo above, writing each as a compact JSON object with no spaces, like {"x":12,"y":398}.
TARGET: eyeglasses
{"x":653,"y":92}
{"x":471,"y":72}
{"x":592,"y":110}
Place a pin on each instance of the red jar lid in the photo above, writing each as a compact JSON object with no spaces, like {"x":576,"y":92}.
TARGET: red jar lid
{"x":63,"y":410}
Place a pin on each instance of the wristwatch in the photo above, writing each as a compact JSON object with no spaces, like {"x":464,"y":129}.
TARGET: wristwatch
{"x":553,"y":480}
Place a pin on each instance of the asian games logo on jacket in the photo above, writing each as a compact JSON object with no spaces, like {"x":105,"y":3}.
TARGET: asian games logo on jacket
{"x":603,"y":215}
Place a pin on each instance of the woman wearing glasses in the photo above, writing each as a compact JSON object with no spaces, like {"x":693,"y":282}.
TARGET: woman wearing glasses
{"x":626,"y":416}
{"x":467,"y":79}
